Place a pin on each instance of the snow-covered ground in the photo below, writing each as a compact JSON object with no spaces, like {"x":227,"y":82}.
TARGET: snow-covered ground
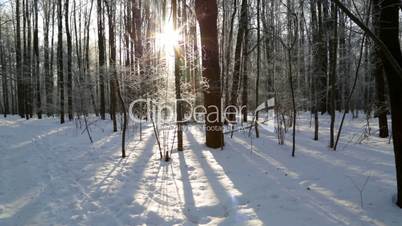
{"x":50,"y":174}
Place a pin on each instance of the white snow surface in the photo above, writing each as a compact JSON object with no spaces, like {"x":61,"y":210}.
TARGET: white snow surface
{"x":50,"y":174}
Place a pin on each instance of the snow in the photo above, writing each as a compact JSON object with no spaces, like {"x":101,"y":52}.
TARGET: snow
{"x":50,"y":174}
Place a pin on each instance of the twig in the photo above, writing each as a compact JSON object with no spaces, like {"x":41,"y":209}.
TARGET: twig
{"x":157,"y":137}
{"x":86,"y":128}
{"x":361,"y":188}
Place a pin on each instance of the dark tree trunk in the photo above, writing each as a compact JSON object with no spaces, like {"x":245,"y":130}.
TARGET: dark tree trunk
{"x":28,"y":97}
{"x":46,"y":55}
{"x":5,"y":85}
{"x":102,"y":59}
{"x":379,"y":73}
{"x":112,"y":62}
{"x":322,"y":33}
{"x":245,"y":75}
{"x":257,"y":82}
{"x":51,"y":67}
{"x":69,"y":63}
{"x":316,"y":68}
{"x":18,"y":60}
{"x":4,"y":76}
{"x":333,"y":45}
{"x":30,"y":73}
{"x":37,"y":62}
{"x":60,"y":76}
{"x":389,"y":33}
{"x":207,"y":12}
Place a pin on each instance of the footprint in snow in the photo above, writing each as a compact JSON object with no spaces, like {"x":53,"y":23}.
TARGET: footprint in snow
{"x":203,"y":188}
{"x":152,"y":187}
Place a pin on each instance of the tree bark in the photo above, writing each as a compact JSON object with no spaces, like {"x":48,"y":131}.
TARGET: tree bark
{"x":101,"y":59}
{"x":323,"y":77}
{"x":379,"y":73}
{"x":46,"y":55}
{"x":257,"y":81}
{"x":37,"y":61}
{"x":69,"y":63}
{"x":316,"y":68}
{"x":333,"y":45}
{"x":18,"y":61}
{"x":389,"y":34}
{"x":207,"y":12}
{"x":4,"y":76}
{"x":27,"y":80}
{"x":60,"y":76}
{"x":245,"y":75}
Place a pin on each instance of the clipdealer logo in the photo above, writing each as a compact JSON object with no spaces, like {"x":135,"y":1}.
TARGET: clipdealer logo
{"x":166,"y":112}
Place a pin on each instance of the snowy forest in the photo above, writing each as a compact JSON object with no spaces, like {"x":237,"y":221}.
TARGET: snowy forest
{"x":200,"y":112}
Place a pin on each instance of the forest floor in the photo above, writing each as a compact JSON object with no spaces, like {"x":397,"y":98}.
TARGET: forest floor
{"x":50,"y":174}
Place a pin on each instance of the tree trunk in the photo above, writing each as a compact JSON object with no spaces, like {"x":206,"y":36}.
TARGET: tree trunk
{"x":229,"y":53}
{"x":379,"y":73}
{"x":322,"y":26}
{"x":52,"y":102}
{"x":46,"y":64}
{"x":102,"y":59}
{"x":245,"y":75}
{"x":18,"y":62}
{"x":69,"y":63}
{"x":257,"y":81}
{"x":60,"y":76}
{"x":333,"y":45}
{"x":4,"y":75}
{"x":207,"y":12}
{"x":316,"y":68}
{"x":178,"y":76}
{"x":343,"y":75}
{"x":37,"y":62}
{"x":236,"y":72}
{"x":389,"y":34}
{"x":112,"y":62}
{"x":28,"y":97}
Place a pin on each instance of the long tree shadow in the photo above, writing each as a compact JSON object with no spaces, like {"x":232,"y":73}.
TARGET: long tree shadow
{"x":287,"y":174}
{"x":233,"y":205}
{"x":192,"y":213}
{"x":117,"y":189}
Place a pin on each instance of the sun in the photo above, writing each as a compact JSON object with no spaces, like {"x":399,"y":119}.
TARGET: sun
{"x":169,"y":38}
